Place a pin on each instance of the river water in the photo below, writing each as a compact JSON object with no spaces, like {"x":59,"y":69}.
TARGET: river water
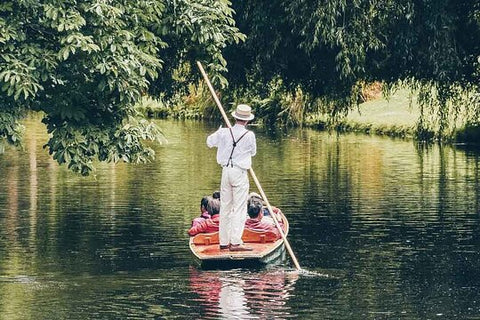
{"x":385,"y":228}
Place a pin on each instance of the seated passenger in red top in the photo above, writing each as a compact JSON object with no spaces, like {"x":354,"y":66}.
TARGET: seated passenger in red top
{"x":266,"y":213}
{"x":256,"y":220}
{"x":208,"y":225}
{"x":204,"y":214}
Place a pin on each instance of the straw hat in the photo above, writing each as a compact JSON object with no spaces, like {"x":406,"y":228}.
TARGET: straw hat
{"x":243,"y":112}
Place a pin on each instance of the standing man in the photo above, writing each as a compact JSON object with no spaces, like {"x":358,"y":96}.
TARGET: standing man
{"x":235,"y":148}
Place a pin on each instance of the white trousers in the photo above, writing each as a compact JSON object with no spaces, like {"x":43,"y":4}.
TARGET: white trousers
{"x":233,"y":205}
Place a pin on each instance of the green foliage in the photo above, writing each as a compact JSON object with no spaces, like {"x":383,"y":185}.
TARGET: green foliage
{"x":153,"y":108}
{"x":201,"y":30}
{"x":77,"y":146}
{"x":10,"y":129}
{"x":274,"y":103}
{"x":86,"y":64}
{"x":443,"y":109}
{"x":195,"y":103}
{"x":330,"y":47}
{"x":398,"y":131}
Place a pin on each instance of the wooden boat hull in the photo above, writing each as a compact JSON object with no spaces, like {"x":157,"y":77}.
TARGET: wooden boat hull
{"x":264,"y":251}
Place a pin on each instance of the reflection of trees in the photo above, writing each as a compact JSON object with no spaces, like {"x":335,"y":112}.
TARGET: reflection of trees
{"x":446,"y":229}
{"x":120,"y":219}
{"x":33,"y":190}
{"x":378,"y":207}
{"x":242,"y":294}
{"x":368,"y":205}
{"x":12,"y":252}
{"x":12,"y":180}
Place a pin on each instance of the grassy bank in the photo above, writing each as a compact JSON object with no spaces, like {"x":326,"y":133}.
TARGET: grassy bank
{"x":396,"y":116}
{"x":399,"y":115}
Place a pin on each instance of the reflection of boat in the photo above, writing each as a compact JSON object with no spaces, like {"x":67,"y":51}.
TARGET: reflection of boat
{"x":235,"y":294}
{"x":266,"y":248}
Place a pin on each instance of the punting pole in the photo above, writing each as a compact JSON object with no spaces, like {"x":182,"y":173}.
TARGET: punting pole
{"x":254,"y":177}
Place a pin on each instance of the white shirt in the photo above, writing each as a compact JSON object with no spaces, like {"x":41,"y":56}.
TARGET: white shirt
{"x":244,"y":151}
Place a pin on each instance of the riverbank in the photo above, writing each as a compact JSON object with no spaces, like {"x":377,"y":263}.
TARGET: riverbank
{"x":399,"y":116}
{"x":395,"y":116}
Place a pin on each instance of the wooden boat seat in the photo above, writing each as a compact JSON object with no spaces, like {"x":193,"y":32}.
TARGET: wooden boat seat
{"x":248,"y":236}
{"x":206,"y":238}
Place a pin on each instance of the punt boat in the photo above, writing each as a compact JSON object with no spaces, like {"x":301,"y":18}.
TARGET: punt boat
{"x":266,"y":248}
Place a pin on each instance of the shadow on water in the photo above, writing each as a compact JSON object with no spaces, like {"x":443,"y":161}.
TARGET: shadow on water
{"x":234,"y":264}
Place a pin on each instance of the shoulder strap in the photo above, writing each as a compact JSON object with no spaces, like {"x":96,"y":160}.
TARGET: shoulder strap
{"x":243,"y":135}
{"x":230,"y":160}
{"x":231,"y":133}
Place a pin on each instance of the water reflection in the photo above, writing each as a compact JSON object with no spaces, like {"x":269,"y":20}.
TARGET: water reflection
{"x":399,"y":222}
{"x":242,"y":294}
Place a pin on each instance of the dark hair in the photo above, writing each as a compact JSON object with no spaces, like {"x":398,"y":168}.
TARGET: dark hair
{"x":213,"y":206}
{"x":254,"y":207}
{"x":204,"y":202}
{"x":216,"y":195}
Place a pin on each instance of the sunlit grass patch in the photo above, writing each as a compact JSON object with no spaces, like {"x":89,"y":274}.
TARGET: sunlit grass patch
{"x":396,"y":111}
{"x":399,"y":115}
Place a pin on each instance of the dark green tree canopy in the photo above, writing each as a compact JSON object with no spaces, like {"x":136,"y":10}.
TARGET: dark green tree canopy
{"x":85,"y":64}
{"x":328,"y":46}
